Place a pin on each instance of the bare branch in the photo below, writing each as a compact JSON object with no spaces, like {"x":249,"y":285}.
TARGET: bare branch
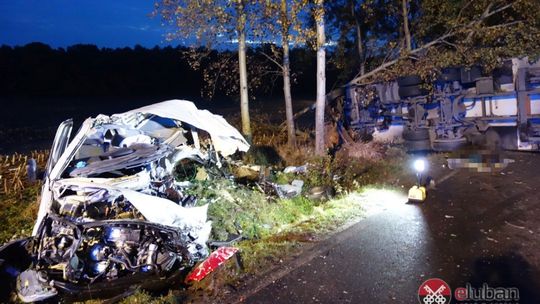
{"x":504,"y":24}
{"x":444,"y":41}
{"x":272,"y":59}
{"x":502,"y":8}
{"x":479,"y":20}
{"x":388,"y":64}
{"x":486,"y":11}
{"x":219,"y":74}
{"x":463,"y":9}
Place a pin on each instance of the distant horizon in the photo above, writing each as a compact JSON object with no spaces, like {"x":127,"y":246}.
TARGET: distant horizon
{"x":93,"y":44}
{"x":62,"y":23}
{"x":105,"y":24}
{"x":231,"y":46}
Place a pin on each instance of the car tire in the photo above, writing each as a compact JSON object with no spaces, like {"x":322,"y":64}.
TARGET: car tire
{"x":418,"y":145}
{"x":406,"y":81}
{"x":447,"y":145}
{"x":411,"y":91}
{"x":417,"y":134}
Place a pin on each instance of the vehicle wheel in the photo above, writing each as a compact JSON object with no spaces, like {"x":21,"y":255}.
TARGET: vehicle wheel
{"x":450,"y":74}
{"x":446,"y":145}
{"x":417,"y":145}
{"x":335,"y":94}
{"x":418,"y":134}
{"x":469,"y":75}
{"x":406,"y":81}
{"x":412,"y":91}
{"x":509,"y":138}
{"x":493,"y":140}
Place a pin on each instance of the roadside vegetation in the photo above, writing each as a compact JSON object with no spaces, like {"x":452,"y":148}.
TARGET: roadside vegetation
{"x":18,"y":197}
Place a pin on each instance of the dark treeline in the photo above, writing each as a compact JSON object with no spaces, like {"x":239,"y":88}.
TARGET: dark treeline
{"x":37,"y":70}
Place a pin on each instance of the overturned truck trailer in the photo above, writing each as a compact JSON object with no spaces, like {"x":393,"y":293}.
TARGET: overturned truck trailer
{"x":463,"y":106}
{"x":114,"y":213}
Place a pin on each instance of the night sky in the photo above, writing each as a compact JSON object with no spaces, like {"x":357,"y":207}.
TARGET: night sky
{"x":61,"y":23}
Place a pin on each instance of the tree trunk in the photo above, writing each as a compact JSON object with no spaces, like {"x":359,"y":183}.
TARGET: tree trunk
{"x":406,"y":30}
{"x":359,"y":39}
{"x":321,"y":80}
{"x":291,"y":133}
{"x":244,"y":98}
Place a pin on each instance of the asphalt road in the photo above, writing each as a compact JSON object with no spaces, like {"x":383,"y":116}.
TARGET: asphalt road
{"x":474,"y":228}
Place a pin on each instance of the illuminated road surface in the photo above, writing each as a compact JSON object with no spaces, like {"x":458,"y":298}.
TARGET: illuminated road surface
{"x":475,"y":228}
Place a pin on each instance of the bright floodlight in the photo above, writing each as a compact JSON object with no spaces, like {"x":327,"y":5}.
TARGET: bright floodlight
{"x":419,"y":165}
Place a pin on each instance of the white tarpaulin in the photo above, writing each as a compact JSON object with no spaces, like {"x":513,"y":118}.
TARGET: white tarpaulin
{"x":226,"y":138}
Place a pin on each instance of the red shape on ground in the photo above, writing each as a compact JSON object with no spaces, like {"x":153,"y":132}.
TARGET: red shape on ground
{"x":214,"y":260}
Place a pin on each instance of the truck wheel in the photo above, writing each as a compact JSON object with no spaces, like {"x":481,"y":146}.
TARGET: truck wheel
{"x":406,"y":81}
{"x":469,"y":75}
{"x":411,"y":91}
{"x":493,"y":139}
{"x":418,"y":134}
{"x":446,"y":145}
{"x":509,"y":138}
{"x":450,"y":74}
{"x":417,"y":145}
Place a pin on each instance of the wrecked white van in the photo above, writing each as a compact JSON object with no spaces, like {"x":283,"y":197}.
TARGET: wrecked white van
{"x":113,"y":211}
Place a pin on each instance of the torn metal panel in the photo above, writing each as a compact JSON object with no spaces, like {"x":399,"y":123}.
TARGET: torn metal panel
{"x":226,"y":139}
{"x":154,"y":209}
{"x":59,"y":167}
{"x":138,"y":182}
{"x":129,"y":157}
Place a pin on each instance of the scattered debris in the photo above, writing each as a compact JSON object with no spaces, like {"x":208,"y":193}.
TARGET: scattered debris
{"x":288,"y":191}
{"x":448,"y":216}
{"x":492,"y":239}
{"x":297,"y":170}
{"x":515,"y":226}
{"x":216,"y":259}
{"x":320,"y":193}
{"x":245,"y":173}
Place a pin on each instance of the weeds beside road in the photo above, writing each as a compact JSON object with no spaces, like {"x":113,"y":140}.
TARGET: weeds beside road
{"x":18,"y":197}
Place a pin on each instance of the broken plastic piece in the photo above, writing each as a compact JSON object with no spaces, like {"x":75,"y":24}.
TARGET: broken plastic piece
{"x":292,"y":190}
{"x":293,"y":169}
{"x":33,"y":288}
{"x":216,"y":259}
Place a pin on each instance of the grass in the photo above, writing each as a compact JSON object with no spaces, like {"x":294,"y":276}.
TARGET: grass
{"x":18,"y":197}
